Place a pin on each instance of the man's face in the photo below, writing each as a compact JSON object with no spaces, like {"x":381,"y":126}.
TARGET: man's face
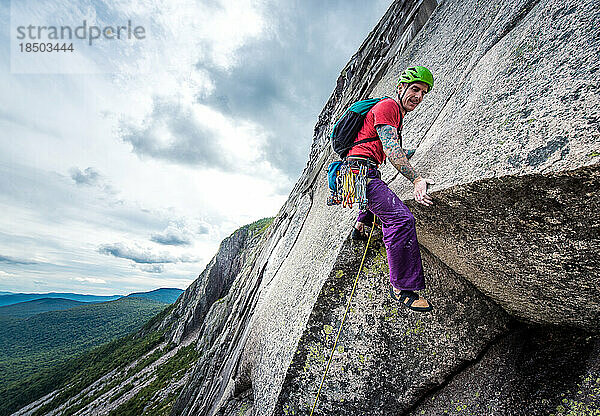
{"x":413,"y":95}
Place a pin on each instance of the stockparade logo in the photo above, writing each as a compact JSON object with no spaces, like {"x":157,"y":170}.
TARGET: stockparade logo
{"x":87,"y":46}
{"x":49,"y":35}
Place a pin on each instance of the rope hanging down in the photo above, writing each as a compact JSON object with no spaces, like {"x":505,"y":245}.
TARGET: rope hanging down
{"x":343,"y":318}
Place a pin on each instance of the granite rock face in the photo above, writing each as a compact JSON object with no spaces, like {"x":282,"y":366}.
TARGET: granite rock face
{"x":212,"y":284}
{"x":511,"y":135}
{"x":386,"y":358}
{"x":530,"y":242}
{"x":531,"y":371}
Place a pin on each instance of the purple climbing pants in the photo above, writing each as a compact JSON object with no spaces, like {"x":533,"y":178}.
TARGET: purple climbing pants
{"x":399,"y":234}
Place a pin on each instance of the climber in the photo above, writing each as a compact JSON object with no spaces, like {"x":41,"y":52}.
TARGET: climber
{"x":384,"y":121}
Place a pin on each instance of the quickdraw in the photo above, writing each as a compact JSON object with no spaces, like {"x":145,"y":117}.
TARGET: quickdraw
{"x":351,"y":186}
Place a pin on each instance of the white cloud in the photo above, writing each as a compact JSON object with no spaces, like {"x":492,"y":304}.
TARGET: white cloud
{"x":152,"y":268}
{"x":143,"y":255}
{"x":175,"y":235}
{"x":91,"y":280}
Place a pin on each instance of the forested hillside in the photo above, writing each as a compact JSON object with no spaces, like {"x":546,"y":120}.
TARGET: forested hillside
{"x":166,"y":295}
{"x":40,"y":341}
{"x":34,"y":307}
{"x":141,"y":373}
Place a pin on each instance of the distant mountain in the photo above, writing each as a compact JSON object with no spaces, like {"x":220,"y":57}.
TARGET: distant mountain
{"x":165,"y":295}
{"x":150,"y":366}
{"x":13,"y":298}
{"x":33,"y":307}
{"x":46,"y":339}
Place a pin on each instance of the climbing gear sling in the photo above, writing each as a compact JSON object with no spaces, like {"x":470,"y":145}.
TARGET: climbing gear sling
{"x":348,"y":182}
{"x":343,"y":319}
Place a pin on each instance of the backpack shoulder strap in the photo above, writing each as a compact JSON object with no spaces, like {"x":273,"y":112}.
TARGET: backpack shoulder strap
{"x":372,"y":139}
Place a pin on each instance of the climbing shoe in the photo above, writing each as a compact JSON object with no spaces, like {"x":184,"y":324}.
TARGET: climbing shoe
{"x":359,"y":235}
{"x":408,"y":299}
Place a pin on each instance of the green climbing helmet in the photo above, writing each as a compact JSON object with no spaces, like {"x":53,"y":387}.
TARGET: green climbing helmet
{"x":417,"y":73}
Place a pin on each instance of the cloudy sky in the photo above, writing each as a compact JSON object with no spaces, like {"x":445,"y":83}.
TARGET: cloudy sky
{"x":124,"y":163}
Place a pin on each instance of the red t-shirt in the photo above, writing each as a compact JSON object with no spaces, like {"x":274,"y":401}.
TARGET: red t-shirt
{"x":386,"y":111}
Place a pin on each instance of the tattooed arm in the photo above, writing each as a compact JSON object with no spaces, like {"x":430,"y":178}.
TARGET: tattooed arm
{"x":397,"y":157}
{"x":395,"y":153}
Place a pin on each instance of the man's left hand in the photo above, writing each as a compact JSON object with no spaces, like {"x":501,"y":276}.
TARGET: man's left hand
{"x":420,"y":191}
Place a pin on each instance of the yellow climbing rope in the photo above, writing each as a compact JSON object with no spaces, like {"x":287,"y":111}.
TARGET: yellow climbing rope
{"x":344,"y":318}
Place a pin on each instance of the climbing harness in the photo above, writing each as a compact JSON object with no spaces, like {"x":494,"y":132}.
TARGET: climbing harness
{"x":348,"y":183}
{"x":343,"y":318}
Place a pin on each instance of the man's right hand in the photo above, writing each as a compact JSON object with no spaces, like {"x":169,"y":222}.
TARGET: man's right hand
{"x":420,"y":191}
